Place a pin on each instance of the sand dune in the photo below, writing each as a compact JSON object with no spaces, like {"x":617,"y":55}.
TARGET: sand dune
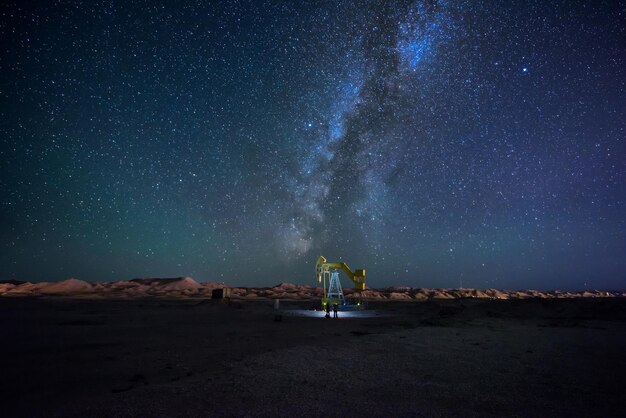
{"x":69,"y":286}
{"x":184,"y":283}
{"x":5,"y":287}
{"x":27,"y":288}
{"x":188,"y":287}
{"x":399,"y":296}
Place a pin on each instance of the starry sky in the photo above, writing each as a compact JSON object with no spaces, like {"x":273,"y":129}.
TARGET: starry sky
{"x":432,"y":143}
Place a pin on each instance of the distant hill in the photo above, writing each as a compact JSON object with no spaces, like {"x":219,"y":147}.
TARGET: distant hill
{"x":13,"y":282}
{"x":187,"y":287}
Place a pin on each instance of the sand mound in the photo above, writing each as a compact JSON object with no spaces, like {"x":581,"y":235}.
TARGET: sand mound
{"x":122,"y":284}
{"x":440,"y":294}
{"x":285,"y":286}
{"x":184,"y":283}
{"x":399,"y":296}
{"x":26,"y":289}
{"x":371,"y":294}
{"x":67,"y":286}
{"x":5,"y":287}
{"x":479,"y":294}
{"x":496,"y":294}
{"x":420,"y":296}
{"x":138,"y":290}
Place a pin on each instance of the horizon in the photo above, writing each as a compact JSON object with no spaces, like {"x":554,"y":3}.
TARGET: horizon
{"x":429,"y":143}
{"x":315,"y":285}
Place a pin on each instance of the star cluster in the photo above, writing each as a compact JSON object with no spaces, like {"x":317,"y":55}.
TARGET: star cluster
{"x":433,"y":143}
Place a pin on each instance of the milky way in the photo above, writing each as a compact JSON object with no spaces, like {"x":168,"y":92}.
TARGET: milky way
{"x":433,"y":143}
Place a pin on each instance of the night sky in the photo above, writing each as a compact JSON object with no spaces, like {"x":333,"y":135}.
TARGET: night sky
{"x":433,"y":143}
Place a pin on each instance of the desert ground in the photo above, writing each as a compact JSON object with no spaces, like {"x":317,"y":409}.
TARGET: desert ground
{"x":81,"y":354}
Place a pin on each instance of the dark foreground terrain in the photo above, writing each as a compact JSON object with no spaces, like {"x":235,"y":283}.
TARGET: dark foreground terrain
{"x":157,"y":357}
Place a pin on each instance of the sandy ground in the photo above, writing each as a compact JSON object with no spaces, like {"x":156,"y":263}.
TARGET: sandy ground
{"x":192,"y":357}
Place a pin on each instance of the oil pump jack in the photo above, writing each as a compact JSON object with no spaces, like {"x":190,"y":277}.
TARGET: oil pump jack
{"x":328,"y":275}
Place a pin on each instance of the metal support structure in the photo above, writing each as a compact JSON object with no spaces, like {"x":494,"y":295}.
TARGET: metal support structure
{"x":335,"y":292}
{"x":324,"y":276}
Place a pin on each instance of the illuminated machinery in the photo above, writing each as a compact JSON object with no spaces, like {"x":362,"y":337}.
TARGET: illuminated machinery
{"x":328,"y":274}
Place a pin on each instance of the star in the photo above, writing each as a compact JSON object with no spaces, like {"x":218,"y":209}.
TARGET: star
{"x":244,"y":141}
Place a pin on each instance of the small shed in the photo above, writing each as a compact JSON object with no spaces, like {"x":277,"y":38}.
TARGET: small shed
{"x":220,"y":293}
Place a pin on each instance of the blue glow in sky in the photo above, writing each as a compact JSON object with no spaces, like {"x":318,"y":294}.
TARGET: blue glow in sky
{"x":428,"y":142}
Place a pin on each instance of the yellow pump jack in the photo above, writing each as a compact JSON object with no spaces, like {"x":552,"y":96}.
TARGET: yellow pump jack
{"x":326,"y":273}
